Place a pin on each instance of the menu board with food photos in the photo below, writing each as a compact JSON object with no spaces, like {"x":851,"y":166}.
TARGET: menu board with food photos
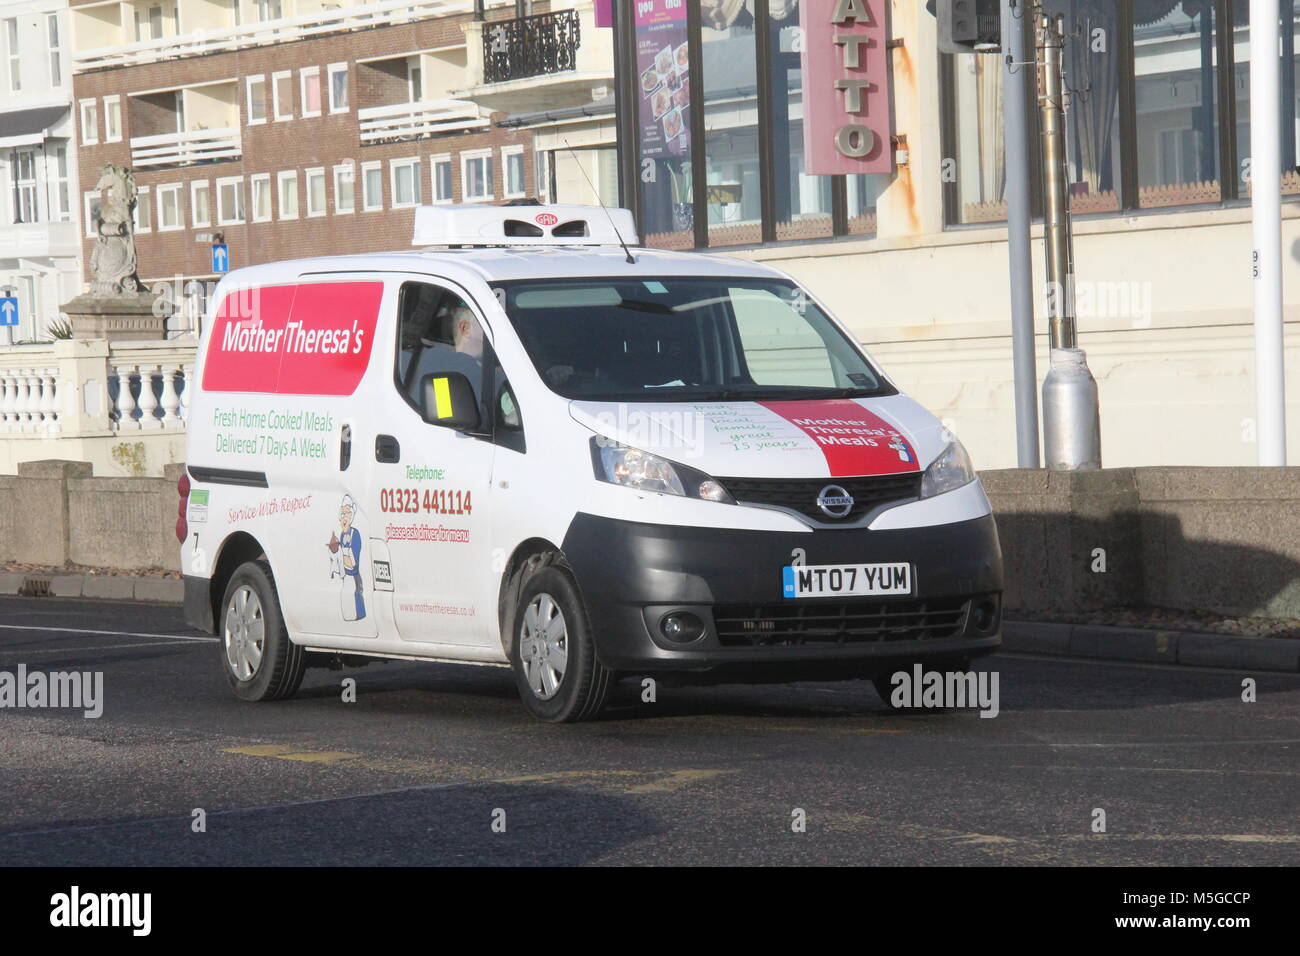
{"x":662,"y":67}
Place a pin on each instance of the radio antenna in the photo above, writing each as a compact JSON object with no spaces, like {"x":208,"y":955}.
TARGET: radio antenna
{"x":596,"y":192}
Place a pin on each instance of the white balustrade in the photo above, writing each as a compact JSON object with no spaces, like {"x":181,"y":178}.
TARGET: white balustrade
{"x":148,"y":400}
{"x":171,"y":401}
{"x":8,"y":398}
{"x":188,"y":371}
{"x":27,"y":400}
{"x":126,"y":407}
{"x":88,"y":391}
{"x":49,"y":401}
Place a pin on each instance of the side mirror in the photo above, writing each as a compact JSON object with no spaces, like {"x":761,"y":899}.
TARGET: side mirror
{"x":447,"y":399}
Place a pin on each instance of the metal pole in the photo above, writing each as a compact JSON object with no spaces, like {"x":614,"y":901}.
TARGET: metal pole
{"x":1266,"y":209}
{"x":1056,"y":187}
{"x":1015,"y":130}
{"x":1071,"y":417}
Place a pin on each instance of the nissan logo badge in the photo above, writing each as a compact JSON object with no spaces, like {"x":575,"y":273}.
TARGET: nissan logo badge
{"x":835,"y":502}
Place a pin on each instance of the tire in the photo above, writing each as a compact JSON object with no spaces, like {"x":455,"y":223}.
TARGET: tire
{"x":259,"y":660}
{"x":559,"y":677}
{"x":885,"y":687}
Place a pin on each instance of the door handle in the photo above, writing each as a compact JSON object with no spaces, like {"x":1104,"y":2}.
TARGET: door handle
{"x":387,"y":449}
{"x":345,"y":448}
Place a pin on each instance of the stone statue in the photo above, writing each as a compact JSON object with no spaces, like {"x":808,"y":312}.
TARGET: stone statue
{"x":117,"y":306}
{"x":113,"y":259}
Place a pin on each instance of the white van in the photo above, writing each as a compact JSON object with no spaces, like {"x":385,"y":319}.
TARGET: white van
{"x":524,"y":443}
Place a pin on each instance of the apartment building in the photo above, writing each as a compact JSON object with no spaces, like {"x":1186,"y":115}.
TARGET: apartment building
{"x":39,"y":249}
{"x":289,"y":128}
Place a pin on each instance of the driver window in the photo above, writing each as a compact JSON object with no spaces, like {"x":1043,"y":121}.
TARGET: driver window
{"x":438,"y":333}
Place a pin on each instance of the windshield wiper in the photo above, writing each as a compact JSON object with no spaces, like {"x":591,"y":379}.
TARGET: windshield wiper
{"x":657,"y":308}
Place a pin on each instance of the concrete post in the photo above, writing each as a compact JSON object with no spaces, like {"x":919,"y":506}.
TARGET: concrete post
{"x":41,"y":509}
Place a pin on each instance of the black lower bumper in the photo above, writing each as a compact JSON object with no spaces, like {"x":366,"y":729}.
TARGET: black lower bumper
{"x":632,"y":575}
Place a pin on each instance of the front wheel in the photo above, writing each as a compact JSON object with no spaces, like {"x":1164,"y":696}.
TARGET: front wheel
{"x":559,"y":677}
{"x":260,"y":661}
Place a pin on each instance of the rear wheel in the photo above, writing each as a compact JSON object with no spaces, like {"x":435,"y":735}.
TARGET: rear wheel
{"x":260,"y":661}
{"x":554,"y":655}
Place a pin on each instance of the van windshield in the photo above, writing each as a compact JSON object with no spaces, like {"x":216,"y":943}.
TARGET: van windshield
{"x":675,"y":339}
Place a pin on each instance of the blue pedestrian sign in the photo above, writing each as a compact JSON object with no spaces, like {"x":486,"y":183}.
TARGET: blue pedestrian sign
{"x":9,"y":310}
{"x":220,"y":257}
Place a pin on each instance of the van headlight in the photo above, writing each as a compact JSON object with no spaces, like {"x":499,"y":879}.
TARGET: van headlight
{"x":950,"y":471}
{"x":633,"y":468}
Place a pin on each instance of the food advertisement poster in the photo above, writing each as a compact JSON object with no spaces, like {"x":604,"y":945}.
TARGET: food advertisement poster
{"x":662,"y":67}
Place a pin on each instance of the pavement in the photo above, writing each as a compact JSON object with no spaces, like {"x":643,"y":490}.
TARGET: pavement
{"x":440,"y":764}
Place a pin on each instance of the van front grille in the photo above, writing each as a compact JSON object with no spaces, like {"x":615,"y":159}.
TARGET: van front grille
{"x":792,"y":624}
{"x":800,"y":494}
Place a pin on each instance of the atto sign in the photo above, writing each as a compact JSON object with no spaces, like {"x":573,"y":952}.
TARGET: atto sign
{"x":846,"y":99}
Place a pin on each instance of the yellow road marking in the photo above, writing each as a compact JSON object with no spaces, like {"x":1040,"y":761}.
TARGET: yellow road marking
{"x":633,"y":781}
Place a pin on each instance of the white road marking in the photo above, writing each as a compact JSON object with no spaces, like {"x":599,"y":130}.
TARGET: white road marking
{"x":82,"y":630}
{"x":102,"y":647}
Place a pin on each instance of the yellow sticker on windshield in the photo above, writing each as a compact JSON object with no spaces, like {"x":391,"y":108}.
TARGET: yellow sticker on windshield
{"x":441,"y":398}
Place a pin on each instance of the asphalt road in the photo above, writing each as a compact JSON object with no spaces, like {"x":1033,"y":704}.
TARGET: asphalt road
{"x":417,"y":769}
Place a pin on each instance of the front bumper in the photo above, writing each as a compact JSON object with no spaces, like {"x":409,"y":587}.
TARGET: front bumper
{"x":632,"y":574}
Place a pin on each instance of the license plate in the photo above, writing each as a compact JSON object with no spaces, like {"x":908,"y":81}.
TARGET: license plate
{"x":846,"y":580}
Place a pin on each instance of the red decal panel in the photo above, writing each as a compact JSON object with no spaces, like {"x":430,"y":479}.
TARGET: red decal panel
{"x":307,"y":339}
{"x":854,"y":440}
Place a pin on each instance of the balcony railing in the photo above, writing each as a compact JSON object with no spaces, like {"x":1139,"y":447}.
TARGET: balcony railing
{"x":403,"y":121}
{"x":531,"y":46}
{"x":184,"y":149}
{"x":305,"y":25}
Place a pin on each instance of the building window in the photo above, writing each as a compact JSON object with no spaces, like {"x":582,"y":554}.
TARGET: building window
{"x":230,"y":201}
{"x":149,"y":23}
{"x":142,"y":214}
{"x":56,"y":49}
{"x":440,"y":167}
{"x":310,"y":77}
{"x":256,"y":99}
{"x":338,"y":73}
{"x":61,"y":188}
{"x":89,"y":122}
{"x":974,"y":163}
{"x":200,"y":210}
{"x":14,"y":55}
{"x":261,"y":186}
{"x":406,"y":182}
{"x":112,"y":119}
{"x":171,"y":215}
{"x":316,"y":201}
{"x":1289,"y":67}
{"x":345,"y":200}
{"x":287,"y":183}
{"x":268,"y":10}
{"x":476,"y":175}
{"x":731,"y":141}
{"x":92,"y":213}
{"x":282,"y":94}
{"x":22,"y":169}
{"x":512,"y":163}
{"x":372,"y":187}
{"x":1177,"y":106}
{"x":542,"y":176}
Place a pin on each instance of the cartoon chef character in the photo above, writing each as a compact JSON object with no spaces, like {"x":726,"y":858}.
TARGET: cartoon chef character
{"x":346,"y":547}
{"x":900,"y":446}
